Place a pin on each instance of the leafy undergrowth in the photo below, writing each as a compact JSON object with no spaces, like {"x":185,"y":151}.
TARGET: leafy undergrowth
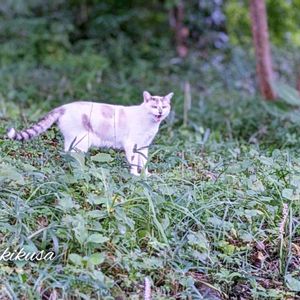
{"x":218,"y":218}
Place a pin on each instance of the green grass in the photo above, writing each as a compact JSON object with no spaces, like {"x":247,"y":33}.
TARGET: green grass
{"x":207,"y":215}
{"x":204,"y":226}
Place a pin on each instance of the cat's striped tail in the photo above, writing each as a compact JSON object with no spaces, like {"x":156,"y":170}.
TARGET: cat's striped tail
{"x":38,"y":128}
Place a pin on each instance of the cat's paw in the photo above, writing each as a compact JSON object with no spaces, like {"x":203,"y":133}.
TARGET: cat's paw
{"x":147,"y":173}
{"x":135,"y":172}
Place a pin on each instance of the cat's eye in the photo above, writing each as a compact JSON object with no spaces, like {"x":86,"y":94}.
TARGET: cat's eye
{"x":164,"y":107}
{"x":154,"y":106}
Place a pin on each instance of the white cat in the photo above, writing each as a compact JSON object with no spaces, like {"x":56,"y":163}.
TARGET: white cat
{"x":86,"y":124}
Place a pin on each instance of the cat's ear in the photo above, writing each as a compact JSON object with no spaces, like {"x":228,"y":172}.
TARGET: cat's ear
{"x":168,"y":97}
{"x":147,"y":96}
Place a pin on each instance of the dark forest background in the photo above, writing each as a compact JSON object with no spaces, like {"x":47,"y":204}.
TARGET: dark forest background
{"x":110,"y":51}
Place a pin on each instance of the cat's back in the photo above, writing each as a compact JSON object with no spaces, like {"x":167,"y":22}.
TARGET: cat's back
{"x":89,"y":108}
{"x":81,"y":106}
{"x":100,"y":108}
{"x":82,"y":110}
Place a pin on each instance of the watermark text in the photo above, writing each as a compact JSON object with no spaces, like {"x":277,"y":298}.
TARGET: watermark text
{"x":21,"y":254}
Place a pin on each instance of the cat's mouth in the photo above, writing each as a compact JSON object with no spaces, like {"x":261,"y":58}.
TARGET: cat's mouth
{"x":158,"y":117}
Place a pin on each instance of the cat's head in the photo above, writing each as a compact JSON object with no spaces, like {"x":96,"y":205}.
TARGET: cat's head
{"x":158,"y":106}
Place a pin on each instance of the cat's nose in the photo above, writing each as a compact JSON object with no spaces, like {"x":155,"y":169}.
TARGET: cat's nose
{"x":160,"y":111}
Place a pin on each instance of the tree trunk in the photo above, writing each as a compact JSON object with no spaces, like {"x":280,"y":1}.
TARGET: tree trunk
{"x":262,"y":48}
{"x":181,"y":31}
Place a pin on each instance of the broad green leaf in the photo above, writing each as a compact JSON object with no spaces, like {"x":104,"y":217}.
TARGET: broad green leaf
{"x":79,"y":158}
{"x":97,"y":238}
{"x":75,"y":259}
{"x":78,"y":224}
{"x":102,"y":157}
{"x":293,"y":283}
{"x":295,"y":181}
{"x":294,"y":116}
{"x":246,"y":237}
{"x":252,"y":212}
{"x":198,"y":239}
{"x":98,"y":275}
{"x":255,"y":184}
{"x":153,"y":262}
{"x":217,"y":222}
{"x":96,"y":214}
{"x":10,"y":173}
{"x":66,"y":202}
{"x":288,"y":194}
{"x":287,"y":93}
{"x":266,"y":160}
{"x":122,"y":217}
{"x":28,"y":167}
{"x":96,"y":199}
{"x":96,"y":259}
{"x":226,"y":248}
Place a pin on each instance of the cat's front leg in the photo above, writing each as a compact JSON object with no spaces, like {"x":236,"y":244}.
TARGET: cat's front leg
{"x":133,"y":159}
{"x":143,"y":158}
